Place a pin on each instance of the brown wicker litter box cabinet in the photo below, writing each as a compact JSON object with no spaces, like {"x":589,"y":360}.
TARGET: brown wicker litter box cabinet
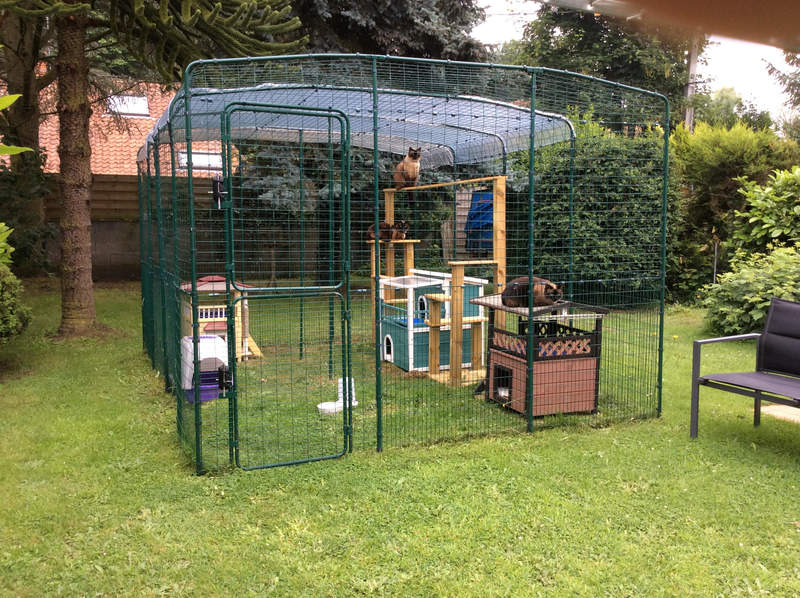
{"x":566,"y":362}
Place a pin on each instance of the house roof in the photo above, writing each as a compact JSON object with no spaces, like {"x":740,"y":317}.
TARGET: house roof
{"x":114,"y":139}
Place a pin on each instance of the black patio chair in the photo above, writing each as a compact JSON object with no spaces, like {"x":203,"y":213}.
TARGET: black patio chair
{"x":777,"y":375}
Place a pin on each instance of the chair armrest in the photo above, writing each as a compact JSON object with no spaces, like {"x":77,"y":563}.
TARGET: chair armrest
{"x":737,"y":337}
{"x":698,"y":344}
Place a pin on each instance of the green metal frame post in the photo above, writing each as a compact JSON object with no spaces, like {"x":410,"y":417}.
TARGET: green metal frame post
{"x":376,"y":298}
{"x":664,"y":212}
{"x":531,"y":255}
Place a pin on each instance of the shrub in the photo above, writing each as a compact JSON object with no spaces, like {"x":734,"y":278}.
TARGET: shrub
{"x":771,"y":213}
{"x":739,"y":301}
{"x":711,"y":164}
{"x":5,"y":248}
{"x":14,"y":316}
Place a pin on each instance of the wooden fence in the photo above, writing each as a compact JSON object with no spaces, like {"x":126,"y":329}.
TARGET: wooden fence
{"x":114,"y":198}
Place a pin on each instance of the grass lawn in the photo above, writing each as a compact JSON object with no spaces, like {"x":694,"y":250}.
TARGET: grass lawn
{"x":96,"y":497}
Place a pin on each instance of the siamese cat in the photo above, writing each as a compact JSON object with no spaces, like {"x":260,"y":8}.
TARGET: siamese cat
{"x":544,"y":292}
{"x":389,"y":232}
{"x":406,"y":173}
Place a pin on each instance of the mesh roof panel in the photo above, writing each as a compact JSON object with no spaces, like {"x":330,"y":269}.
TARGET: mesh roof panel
{"x":450,"y":130}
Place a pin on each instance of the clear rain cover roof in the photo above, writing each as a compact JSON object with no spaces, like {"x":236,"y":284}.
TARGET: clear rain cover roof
{"x":450,"y":130}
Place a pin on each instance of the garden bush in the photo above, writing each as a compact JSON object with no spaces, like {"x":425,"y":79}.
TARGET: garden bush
{"x":712,"y":164}
{"x":739,"y":301}
{"x":14,"y":316}
{"x":771,"y":213}
{"x":5,"y":248}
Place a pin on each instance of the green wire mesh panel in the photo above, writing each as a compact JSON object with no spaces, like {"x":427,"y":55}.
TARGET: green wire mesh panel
{"x":511,"y":172}
{"x":287,"y":407}
{"x":287,"y":247}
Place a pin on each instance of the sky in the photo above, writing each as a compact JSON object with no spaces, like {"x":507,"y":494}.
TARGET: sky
{"x":730,"y":63}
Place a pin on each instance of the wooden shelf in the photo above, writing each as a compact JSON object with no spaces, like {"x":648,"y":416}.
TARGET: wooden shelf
{"x":472,"y":263}
{"x":467,"y":320}
{"x":395,"y":241}
{"x":496,"y":302}
{"x":484,"y":179}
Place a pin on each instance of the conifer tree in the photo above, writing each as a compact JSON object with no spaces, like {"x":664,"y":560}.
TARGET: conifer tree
{"x":163,"y":35}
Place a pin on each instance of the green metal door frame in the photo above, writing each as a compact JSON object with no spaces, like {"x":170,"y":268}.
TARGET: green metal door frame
{"x":335,"y":289}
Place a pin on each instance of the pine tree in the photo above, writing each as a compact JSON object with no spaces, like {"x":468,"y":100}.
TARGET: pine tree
{"x":429,"y":29}
{"x":163,"y":35}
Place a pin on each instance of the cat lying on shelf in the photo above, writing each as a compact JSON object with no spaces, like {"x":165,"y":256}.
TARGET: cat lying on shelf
{"x":544,"y":292}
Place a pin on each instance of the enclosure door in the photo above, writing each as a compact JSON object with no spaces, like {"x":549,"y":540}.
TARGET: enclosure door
{"x":287,"y":246}
{"x":290,"y":391}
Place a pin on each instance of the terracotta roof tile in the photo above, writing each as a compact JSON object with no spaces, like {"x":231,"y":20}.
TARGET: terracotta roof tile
{"x":114,"y":148}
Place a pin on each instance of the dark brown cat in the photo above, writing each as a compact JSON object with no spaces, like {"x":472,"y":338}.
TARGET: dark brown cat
{"x":406,"y":173}
{"x":544,"y":292}
{"x":389,"y":232}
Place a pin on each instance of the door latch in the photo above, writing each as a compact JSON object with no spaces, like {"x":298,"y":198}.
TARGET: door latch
{"x":217,"y":190}
{"x":224,"y":378}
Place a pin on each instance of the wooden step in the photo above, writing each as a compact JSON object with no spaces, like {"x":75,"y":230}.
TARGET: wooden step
{"x":467,"y":376}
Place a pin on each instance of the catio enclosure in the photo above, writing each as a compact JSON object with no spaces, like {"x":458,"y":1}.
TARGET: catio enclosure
{"x":287,"y":334}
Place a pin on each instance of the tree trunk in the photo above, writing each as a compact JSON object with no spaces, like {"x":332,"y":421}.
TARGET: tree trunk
{"x":77,"y":294}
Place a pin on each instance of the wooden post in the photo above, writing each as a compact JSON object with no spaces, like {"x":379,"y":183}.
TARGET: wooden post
{"x":499,"y":242}
{"x":388,"y":209}
{"x":408,"y":265}
{"x":477,"y":345}
{"x":434,"y":339}
{"x":456,"y":331}
{"x":408,"y":261}
{"x":388,"y":206}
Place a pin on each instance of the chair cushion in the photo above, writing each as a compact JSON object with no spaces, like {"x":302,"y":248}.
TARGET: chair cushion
{"x":773,"y":383}
{"x":779,"y":345}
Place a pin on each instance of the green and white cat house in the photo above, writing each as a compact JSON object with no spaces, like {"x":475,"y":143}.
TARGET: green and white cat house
{"x":405,"y":309}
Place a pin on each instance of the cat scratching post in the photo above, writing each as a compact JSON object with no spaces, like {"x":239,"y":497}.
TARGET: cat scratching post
{"x":498,"y":238}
